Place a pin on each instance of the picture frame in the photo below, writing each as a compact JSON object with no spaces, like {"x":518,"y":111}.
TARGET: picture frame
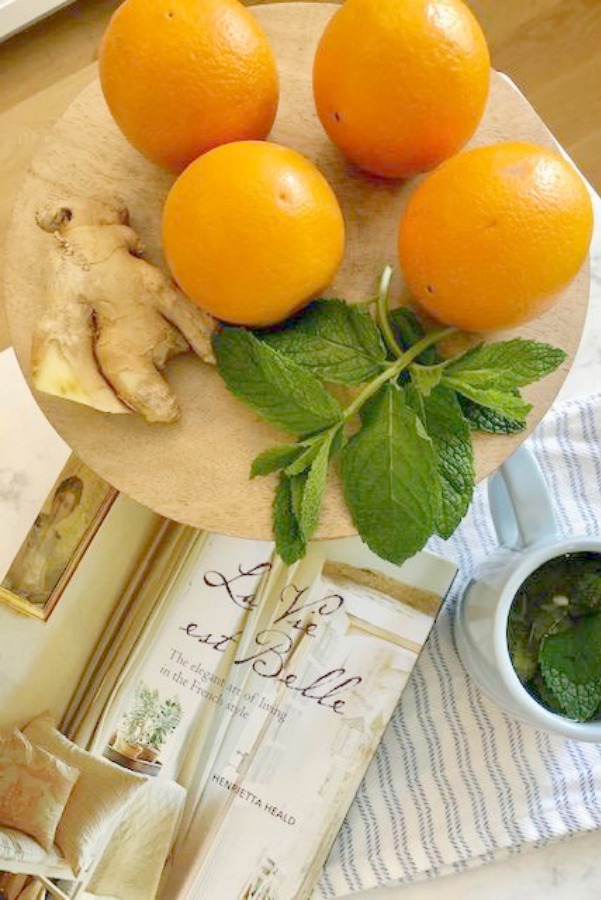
{"x":59,"y":537}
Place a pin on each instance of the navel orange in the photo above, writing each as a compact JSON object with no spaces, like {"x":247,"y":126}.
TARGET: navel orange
{"x":183,"y":76}
{"x":489,"y":239}
{"x":400,"y":85}
{"x":252,"y":231}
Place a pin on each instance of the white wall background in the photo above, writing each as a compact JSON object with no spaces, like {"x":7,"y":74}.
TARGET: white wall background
{"x":42,"y":662}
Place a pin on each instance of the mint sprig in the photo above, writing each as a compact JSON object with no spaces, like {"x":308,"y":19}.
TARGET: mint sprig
{"x":554,"y":635}
{"x":403,"y":439}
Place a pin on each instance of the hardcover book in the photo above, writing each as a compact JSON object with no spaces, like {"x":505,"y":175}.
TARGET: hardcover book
{"x":296,"y":672}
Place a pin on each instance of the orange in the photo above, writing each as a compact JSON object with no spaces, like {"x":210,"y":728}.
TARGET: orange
{"x":252,"y":231}
{"x":182,"y":76}
{"x":489,"y":239}
{"x":400,"y":85}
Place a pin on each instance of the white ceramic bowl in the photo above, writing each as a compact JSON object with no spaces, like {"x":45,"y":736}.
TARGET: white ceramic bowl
{"x":523,"y":516}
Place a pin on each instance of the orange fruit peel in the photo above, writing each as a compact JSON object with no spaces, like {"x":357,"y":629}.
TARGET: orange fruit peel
{"x":401,"y":86}
{"x":489,"y":239}
{"x":183,"y":76}
{"x":251,"y":232}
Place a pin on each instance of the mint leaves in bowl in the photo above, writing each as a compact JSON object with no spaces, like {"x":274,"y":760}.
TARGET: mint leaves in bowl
{"x":554,"y":635}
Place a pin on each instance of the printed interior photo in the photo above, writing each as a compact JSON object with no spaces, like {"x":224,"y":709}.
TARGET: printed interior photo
{"x":190,"y":720}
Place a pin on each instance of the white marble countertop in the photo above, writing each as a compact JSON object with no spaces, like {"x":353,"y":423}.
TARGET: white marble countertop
{"x":570,"y":869}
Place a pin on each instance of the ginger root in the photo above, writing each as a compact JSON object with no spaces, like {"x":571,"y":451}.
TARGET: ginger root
{"x":112,"y":320}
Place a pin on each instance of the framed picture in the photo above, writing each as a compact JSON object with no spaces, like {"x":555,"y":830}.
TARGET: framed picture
{"x":56,"y":541}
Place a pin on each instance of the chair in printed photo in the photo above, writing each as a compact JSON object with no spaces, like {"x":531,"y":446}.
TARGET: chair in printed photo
{"x":22,"y":855}
{"x":59,"y":806}
{"x":77,"y":822}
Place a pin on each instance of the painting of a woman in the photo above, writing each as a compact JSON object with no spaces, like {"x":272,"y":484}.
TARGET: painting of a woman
{"x":64,"y":526}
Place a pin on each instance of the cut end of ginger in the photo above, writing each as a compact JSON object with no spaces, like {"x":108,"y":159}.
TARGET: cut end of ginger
{"x":54,"y":374}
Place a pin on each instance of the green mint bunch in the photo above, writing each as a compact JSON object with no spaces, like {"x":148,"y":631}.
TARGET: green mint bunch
{"x":402,"y":441}
{"x":554,"y":636}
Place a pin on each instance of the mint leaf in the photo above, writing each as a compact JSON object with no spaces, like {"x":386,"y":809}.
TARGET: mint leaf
{"x":297,"y":489}
{"x":527,"y":628}
{"x":508,"y":404}
{"x":570,"y":664}
{"x":483,"y":419}
{"x":451,"y":437}
{"x":506,"y":365}
{"x":335,"y":341}
{"x":289,"y":542}
{"x":546,"y":620}
{"x":311,"y":448}
{"x":390,"y":479}
{"x":281,"y":391}
{"x":307,"y":477}
{"x":274,"y":458}
{"x":490,"y":374}
{"x":543,"y":694}
{"x":314,"y":490}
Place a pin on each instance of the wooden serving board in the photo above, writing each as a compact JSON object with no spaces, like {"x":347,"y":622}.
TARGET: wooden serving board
{"x":196,"y":471}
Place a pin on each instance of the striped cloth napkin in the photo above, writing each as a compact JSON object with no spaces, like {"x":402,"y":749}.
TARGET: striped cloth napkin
{"x":456,"y":782}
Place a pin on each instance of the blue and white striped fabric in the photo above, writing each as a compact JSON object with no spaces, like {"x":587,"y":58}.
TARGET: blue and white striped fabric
{"x":455,"y":781}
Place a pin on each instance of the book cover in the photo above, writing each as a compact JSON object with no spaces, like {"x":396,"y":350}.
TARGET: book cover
{"x":288,"y":678}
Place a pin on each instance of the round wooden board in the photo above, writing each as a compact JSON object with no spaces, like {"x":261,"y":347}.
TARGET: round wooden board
{"x":197,"y":471}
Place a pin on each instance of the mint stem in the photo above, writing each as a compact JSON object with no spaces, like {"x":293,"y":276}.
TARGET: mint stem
{"x":394,"y":369}
{"x":382,"y":314}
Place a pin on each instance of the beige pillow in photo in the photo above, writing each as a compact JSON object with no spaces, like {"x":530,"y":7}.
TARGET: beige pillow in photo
{"x":102,"y":791}
{"x":34,"y":787}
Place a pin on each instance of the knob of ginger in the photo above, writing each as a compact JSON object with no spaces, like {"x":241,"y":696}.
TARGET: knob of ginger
{"x":112,"y":320}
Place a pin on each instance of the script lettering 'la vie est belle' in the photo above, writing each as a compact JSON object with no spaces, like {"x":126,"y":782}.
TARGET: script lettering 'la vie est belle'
{"x":271,"y":646}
